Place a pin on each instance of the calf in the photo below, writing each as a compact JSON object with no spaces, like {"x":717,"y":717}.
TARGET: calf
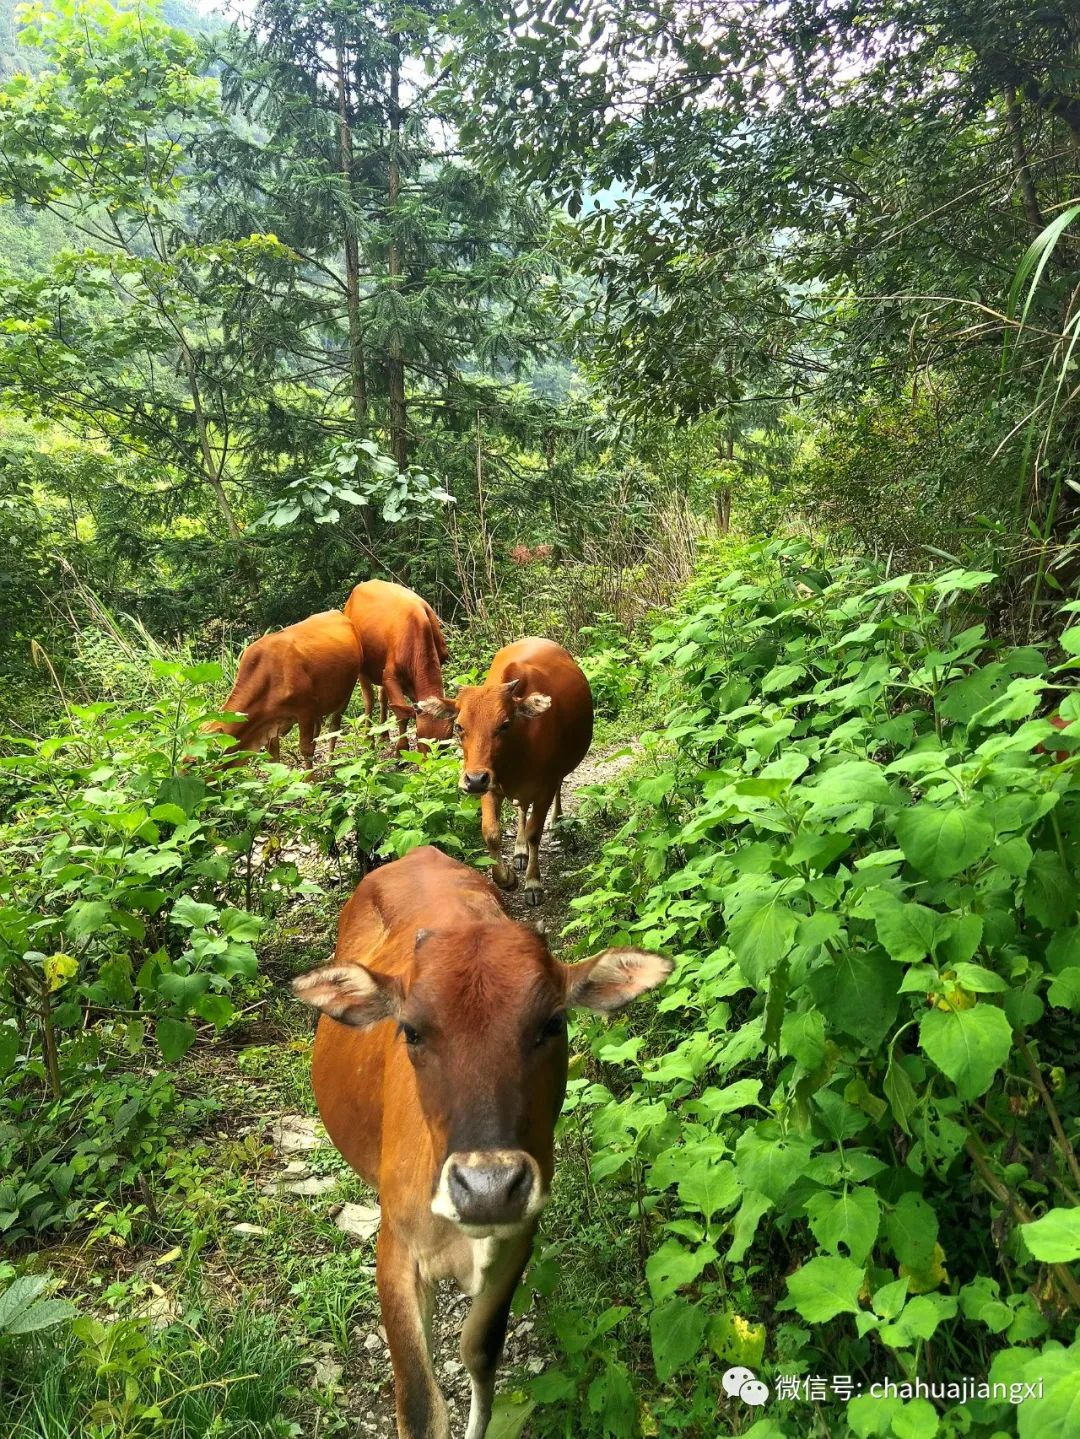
{"x":404,"y":652}
{"x":297,"y":675}
{"x":439,"y":1070}
{"x":522,"y":731}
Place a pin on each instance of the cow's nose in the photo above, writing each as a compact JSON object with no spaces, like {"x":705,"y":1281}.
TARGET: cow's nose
{"x":485,"y":1193}
{"x":477,"y":783}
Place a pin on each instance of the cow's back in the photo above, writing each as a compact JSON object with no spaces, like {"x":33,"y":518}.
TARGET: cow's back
{"x":559,"y":739}
{"x":313,"y":665}
{"x":397,"y":629}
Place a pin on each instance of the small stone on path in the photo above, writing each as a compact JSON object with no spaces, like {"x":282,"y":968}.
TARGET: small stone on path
{"x":315,"y":1185}
{"x":296,"y":1134}
{"x":362,"y":1220}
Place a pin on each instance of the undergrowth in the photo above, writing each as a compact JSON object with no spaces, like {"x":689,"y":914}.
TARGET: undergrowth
{"x":842,"y":1149}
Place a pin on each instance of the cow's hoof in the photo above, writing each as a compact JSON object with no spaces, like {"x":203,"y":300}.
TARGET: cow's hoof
{"x":504,"y":878}
{"x":534,"y":893}
{"x":521,"y":860}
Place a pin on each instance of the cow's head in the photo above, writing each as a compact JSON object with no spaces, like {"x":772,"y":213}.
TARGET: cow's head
{"x":428,"y":726}
{"x":482,"y":1017}
{"x":486,"y":719}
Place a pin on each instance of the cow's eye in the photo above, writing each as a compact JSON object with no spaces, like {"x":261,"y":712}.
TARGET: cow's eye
{"x":505,"y":725}
{"x":412,"y":1036}
{"x":555,"y":1026}
{"x":459,"y":731}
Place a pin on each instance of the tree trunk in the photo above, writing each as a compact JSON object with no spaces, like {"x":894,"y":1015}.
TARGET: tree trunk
{"x":357,"y":377}
{"x":723,"y":494}
{"x":399,"y":443}
{"x":1032,"y":212}
{"x":209,"y":468}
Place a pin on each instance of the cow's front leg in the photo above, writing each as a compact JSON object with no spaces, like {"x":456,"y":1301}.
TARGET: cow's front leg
{"x":491,"y":828}
{"x":367,"y":691}
{"x":534,"y":829}
{"x":336,"y":721}
{"x":484,"y":1334}
{"x":309,"y":732}
{"x":406,"y":1303}
{"x":521,"y":848}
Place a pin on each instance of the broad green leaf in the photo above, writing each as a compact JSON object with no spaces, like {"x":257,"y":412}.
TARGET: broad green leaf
{"x":917,"y":1419}
{"x":900,"y":1092}
{"x":10,"y":1044}
{"x":174,"y":1037}
{"x":673,"y":1265}
{"x":968,"y":1045}
{"x":509,"y":1416}
{"x":890,"y":1298}
{"x":978,"y":980}
{"x":1064,"y":990}
{"x":1056,"y":1414}
{"x":854,"y":781}
{"x":740,"y":1095}
{"x":870,"y":1415}
{"x":846,"y":1223}
{"x":940,"y":842}
{"x":1055,"y":1238}
{"x":768,"y":1164}
{"x":710,"y":1187}
{"x":826,"y":1287}
{"x":918,"y":1320}
{"x":183,"y":791}
{"x":19,"y":1295}
{"x":761,"y":932}
{"x":676,"y":1330}
{"x":190,"y":913}
{"x":744,"y":1227}
{"x":859,"y":993}
{"x":1050,"y":893}
{"x":802,"y":1035}
{"x":912,"y":1229}
{"x":42,"y":1314}
{"x":907,"y":931}
{"x":182,"y":990}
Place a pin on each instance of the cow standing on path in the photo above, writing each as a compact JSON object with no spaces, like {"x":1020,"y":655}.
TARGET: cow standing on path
{"x":439,"y":1069}
{"x":298,"y":675}
{"x":404,"y":652}
{"x":522,"y":732}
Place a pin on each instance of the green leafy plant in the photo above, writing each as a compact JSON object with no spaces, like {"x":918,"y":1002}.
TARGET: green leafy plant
{"x":858,"y":834}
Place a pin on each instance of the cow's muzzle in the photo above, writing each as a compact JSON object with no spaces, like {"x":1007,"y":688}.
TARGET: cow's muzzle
{"x":477,"y":783}
{"x":489,"y":1189}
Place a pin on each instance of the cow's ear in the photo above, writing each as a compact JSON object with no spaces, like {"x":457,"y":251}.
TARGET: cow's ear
{"x":437,"y":707}
{"x":614,"y":977}
{"x":533,"y":705}
{"x":350,"y":993}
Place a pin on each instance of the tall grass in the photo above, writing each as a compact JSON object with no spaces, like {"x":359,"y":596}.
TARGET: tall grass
{"x":227,"y":1376}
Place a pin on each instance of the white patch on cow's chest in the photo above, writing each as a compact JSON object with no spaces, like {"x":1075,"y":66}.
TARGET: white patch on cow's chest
{"x":467,"y":1261}
{"x":482,"y":1254}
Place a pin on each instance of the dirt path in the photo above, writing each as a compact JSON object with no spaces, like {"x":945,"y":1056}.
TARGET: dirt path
{"x":560,"y":845}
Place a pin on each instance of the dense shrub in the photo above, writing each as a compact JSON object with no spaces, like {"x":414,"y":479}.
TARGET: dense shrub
{"x":844,"y":1144}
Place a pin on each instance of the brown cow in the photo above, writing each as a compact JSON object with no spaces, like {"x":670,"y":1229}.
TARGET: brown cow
{"x":522,"y":731}
{"x":404,"y":652}
{"x":297,"y":675}
{"x":449,"y":1108}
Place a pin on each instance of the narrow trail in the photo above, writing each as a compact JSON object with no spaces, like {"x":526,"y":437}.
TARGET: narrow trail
{"x":362,"y":1384}
{"x":559,"y":845}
